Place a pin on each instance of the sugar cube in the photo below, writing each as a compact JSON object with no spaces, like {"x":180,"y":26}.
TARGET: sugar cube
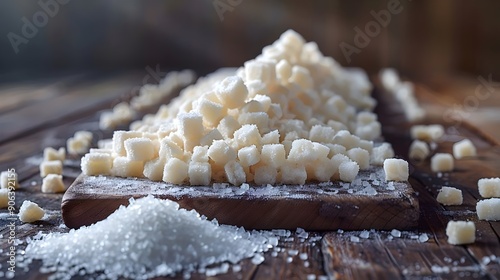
{"x":360,"y":156}
{"x":50,"y":153}
{"x":419,"y":150}
{"x":396,"y":169}
{"x":53,"y":183}
{"x":95,"y":164}
{"x":139,"y":149}
{"x":464,"y":148}
{"x":30,"y":212}
{"x":51,"y":167}
{"x":488,"y":209}
{"x":348,"y":170}
{"x":461,"y":232}
{"x":442,"y":162}
{"x":450,"y":196}
{"x":175,"y":172}
{"x":125,"y":167}
{"x":489,"y":187}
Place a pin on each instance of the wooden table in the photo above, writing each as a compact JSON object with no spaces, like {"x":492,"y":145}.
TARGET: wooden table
{"x":35,"y":115}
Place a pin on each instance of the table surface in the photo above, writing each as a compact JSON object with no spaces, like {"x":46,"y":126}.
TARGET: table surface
{"x":43,"y":113}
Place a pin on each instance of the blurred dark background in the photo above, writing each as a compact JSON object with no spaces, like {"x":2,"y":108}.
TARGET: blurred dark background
{"x":425,"y":40}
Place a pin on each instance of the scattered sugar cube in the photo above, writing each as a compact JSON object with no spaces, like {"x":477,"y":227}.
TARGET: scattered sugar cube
{"x":9,"y":180}
{"x":450,"y":196}
{"x":212,"y":112}
{"x":53,"y":183}
{"x":77,"y":146}
{"x":419,"y":150}
{"x":139,"y":149}
{"x":84,"y":135}
{"x":489,"y":187}
{"x":125,"y":167}
{"x":292,"y":173}
{"x":247,"y":135}
{"x":396,"y":169}
{"x":200,"y":154}
{"x":442,"y":162}
{"x":176,"y":171}
{"x":50,"y":153}
{"x":464,"y":148}
{"x":30,"y":212}
{"x":488,"y":209}
{"x":461,"y":232}
{"x":96,"y":164}
{"x":427,"y":132}
{"x":50,"y":167}
{"x":348,"y":170}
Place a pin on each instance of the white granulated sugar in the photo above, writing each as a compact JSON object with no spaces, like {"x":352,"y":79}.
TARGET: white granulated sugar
{"x":423,"y":238}
{"x":396,"y":233}
{"x":364,"y":234}
{"x":149,"y":238}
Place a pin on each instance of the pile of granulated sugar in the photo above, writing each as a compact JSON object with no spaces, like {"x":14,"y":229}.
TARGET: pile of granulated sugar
{"x":149,"y":238}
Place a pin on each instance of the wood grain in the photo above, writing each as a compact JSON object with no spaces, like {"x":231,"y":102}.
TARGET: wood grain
{"x":312,"y":206}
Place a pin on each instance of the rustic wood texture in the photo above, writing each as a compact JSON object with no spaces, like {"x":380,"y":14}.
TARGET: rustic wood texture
{"x":329,"y":206}
{"x":377,"y":257}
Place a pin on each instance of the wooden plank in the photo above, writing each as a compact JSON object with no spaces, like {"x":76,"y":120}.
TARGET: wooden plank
{"x":329,"y":206}
{"x":79,"y":102}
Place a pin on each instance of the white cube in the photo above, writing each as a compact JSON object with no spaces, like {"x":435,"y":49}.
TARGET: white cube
{"x":210,"y":137}
{"x":84,"y":135}
{"x":360,"y":156}
{"x":272,"y":137}
{"x":450,"y":196}
{"x":169,"y":149}
{"x":260,"y":119}
{"x":200,"y":173}
{"x":293,"y":173}
{"x":119,"y":138}
{"x":489,"y":187}
{"x":247,"y":135}
{"x":175,"y":172}
{"x":348,"y":170}
{"x":221,"y":153}
{"x":323,"y":134}
{"x":191,"y":128}
{"x":125,"y":167}
{"x":419,"y":150}
{"x":461,"y":232}
{"x":302,"y":77}
{"x":264,"y":174}
{"x":442,"y":162}
{"x":427,"y":132}
{"x":248,"y":156}
{"x":139,"y":149}
{"x":235,"y":173}
{"x":232,"y":92}
{"x":51,"y":167}
{"x":50,"y":153}
{"x":153,"y":169}
{"x":96,"y":164}
{"x":381,"y":153}
{"x":488,"y":209}
{"x":53,"y":183}
{"x":302,"y":151}
{"x":77,"y":146}
{"x":30,"y":212}
{"x":396,"y":170}
{"x":200,"y":154}
{"x":283,"y":71}
{"x":9,"y":180}
{"x":464,"y":148}
{"x":211,"y":112}
{"x":273,"y":155}
{"x":227,"y":126}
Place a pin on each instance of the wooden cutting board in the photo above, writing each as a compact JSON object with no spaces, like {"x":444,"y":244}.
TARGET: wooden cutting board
{"x":372,"y":204}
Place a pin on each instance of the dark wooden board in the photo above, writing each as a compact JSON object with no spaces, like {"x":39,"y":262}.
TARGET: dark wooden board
{"x":326,"y":206}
